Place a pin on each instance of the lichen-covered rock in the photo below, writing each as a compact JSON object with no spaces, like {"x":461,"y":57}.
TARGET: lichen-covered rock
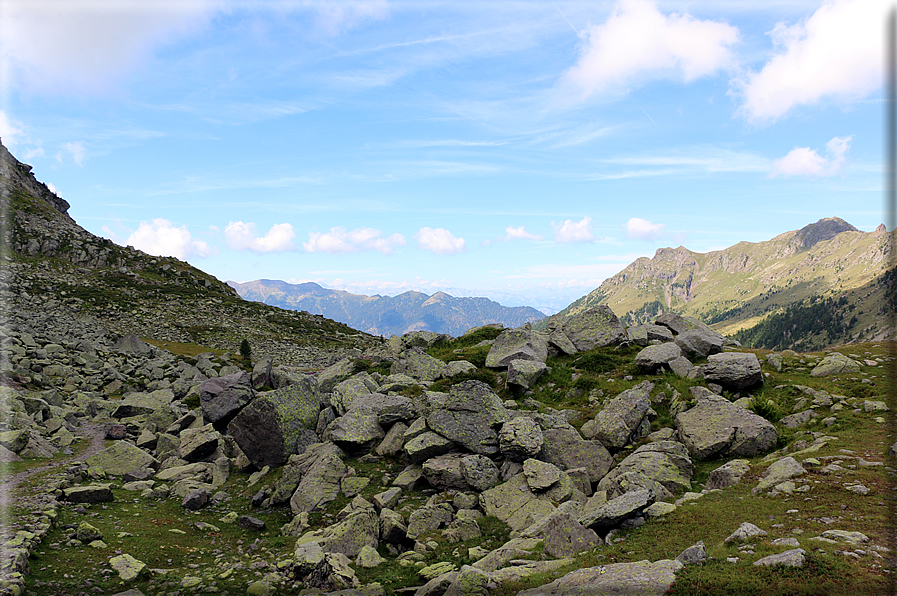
{"x":643,"y":578}
{"x":471,"y":414}
{"x":564,"y":536}
{"x":593,"y":328}
{"x":321,"y":470}
{"x":392,"y":526}
{"x":419,"y":365}
{"x":615,"y":511}
{"x":662,"y":467}
{"x":480,"y":472}
{"x":427,"y":445}
{"x":728,"y":474}
{"x":833,"y":364}
{"x":654,"y":357}
{"x":346,"y":392}
{"x":733,"y":370}
{"x":444,"y":471}
{"x":520,"y":438}
{"x":514,"y":503}
{"x":470,"y":581}
{"x":428,"y":518}
{"x":127,"y":567}
{"x":356,"y":431}
{"x":268,"y":429}
{"x":517,"y":344}
{"x":122,"y":458}
{"x":623,"y":419}
{"x":540,"y":475}
{"x":565,"y":448}
{"x":715,"y":427}
{"x":358,"y":529}
{"x":524,"y":373}
{"x":779,"y":471}
{"x":700,"y":343}
{"x":198,"y":443}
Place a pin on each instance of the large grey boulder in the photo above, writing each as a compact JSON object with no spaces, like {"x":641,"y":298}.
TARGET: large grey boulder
{"x":700,"y":343}
{"x":517,"y":344}
{"x":659,"y":356}
{"x":679,"y":324}
{"x":333,"y":374}
{"x":198,"y":443}
{"x":222,"y":398}
{"x":565,"y":448}
{"x":733,"y":370}
{"x":728,"y":474}
{"x":833,"y":364}
{"x":663,"y":467}
{"x":346,"y":392}
{"x":357,"y":431}
{"x":615,"y":511}
{"x":593,"y":328}
{"x":359,"y":527}
{"x":625,"y":418}
{"x":419,"y":365}
{"x":715,"y":427}
{"x":145,"y":404}
{"x":321,"y":470}
{"x":514,"y":503}
{"x":523,"y":374}
{"x":614,"y":579}
{"x":269,"y":429}
{"x":122,"y":458}
{"x":131,"y":344}
{"x":388,"y":408}
{"x":520,"y":438}
{"x":563,"y":535}
{"x":778,"y":472}
{"x":471,"y":415}
{"x":427,"y":445}
{"x":445,"y":472}
{"x":480,"y":472}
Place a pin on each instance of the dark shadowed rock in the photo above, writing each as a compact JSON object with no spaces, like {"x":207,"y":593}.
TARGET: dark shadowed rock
{"x":269,"y":429}
{"x":222,"y":398}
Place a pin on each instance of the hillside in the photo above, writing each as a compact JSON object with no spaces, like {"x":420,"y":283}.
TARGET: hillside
{"x":828,"y":270}
{"x":386,"y":315}
{"x":58,"y":275}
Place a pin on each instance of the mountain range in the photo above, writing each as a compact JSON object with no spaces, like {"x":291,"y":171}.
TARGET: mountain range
{"x":388,"y":315}
{"x":824,"y":284}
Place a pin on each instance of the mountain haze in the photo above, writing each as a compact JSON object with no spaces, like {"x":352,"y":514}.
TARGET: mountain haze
{"x":846,"y":275}
{"x":388,"y":315}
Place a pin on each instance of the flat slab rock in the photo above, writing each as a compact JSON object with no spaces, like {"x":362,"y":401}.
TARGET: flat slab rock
{"x":617,"y":579}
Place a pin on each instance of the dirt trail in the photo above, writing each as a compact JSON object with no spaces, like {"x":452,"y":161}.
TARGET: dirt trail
{"x":94,"y":433}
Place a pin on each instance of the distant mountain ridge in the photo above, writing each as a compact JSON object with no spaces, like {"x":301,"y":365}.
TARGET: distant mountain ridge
{"x":388,"y":315}
{"x":844,"y":273}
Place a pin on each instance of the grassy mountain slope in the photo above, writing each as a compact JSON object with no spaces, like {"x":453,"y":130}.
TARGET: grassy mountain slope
{"x":743,"y":286}
{"x":52,"y":266}
{"x":385,"y":315}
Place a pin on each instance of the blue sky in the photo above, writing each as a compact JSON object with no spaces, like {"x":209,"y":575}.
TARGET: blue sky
{"x":522,"y":150}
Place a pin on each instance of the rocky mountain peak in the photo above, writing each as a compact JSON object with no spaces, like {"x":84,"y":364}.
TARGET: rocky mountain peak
{"x":824,"y":229}
{"x":18,"y":178}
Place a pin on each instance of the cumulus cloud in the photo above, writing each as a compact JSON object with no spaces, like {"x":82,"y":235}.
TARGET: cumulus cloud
{"x":644,"y":229}
{"x":638,"y":42}
{"x":519,"y":234}
{"x":439,"y":241}
{"x":11,"y":131}
{"x":161,"y":238}
{"x":834,"y":54}
{"x":242,"y":236}
{"x":339,"y":240}
{"x":803,"y":161}
{"x":571,"y":231}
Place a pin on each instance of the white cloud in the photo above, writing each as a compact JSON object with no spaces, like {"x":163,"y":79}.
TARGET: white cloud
{"x":835,"y":54}
{"x":644,"y":229}
{"x":82,"y":44}
{"x":519,"y":234}
{"x":570,"y":231}
{"x":11,"y":131}
{"x":803,"y":161}
{"x":439,"y":241}
{"x":163,"y":239}
{"x":242,"y":236}
{"x":638,"y":42}
{"x":339,"y":240}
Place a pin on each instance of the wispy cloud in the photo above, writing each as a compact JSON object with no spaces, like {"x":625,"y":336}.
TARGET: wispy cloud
{"x":242,"y":236}
{"x":519,"y":233}
{"x":338,"y":240}
{"x":75,"y":150}
{"x":803,"y":161}
{"x":836,"y":53}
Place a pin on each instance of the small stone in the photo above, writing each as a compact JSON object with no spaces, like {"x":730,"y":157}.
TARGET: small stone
{"x":251,"y":523}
